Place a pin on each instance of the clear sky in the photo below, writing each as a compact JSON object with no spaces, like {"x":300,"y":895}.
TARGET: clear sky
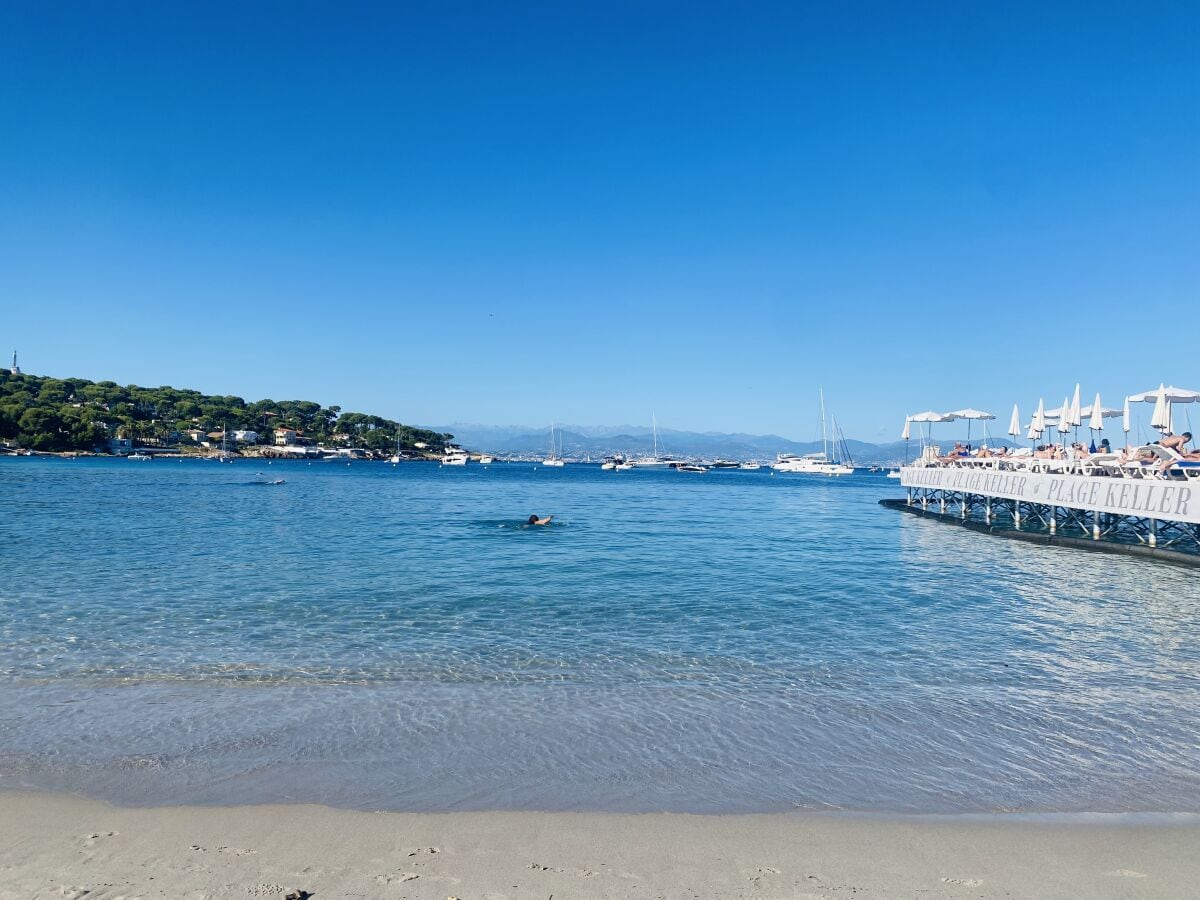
{"x":585,"y":212}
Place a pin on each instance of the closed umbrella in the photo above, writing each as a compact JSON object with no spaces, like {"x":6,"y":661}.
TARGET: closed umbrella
{"x":904,"y":435}
{"x":1076,"y":413}
{"x":1162,"y":410}
{"x":1125,"y":421}
{"x":1096,"y":421}
{"x":1164,"y":398}
{"x":1014,"y":424}
{"x":1038,"y":426}
{"x":1064,"y":418}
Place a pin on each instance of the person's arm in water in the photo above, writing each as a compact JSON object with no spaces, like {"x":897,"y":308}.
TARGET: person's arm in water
{"x":534,"y":520}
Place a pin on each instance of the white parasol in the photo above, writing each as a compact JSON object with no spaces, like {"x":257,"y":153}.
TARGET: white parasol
{"x":1064,"y":417}
{"x":1162,"y":410}
{"x":929,"y":417}
{"x":1014,"y":424}
{"x":1038,"y":426}
{"x":1076,"y":413}
{"x":970,"y":415}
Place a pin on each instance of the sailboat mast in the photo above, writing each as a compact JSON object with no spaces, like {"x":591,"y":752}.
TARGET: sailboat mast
{"x":654,"y":428}
{"x":824,"y":436}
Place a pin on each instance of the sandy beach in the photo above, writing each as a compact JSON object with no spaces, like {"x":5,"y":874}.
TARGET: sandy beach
{"x":58,"y":846}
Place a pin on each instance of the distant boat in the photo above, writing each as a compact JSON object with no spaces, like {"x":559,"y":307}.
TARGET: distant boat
{"x":895,"y":473}
{"x":750,"y":466}
{"x":141,"y":457}
{"x":724,"y":464}
{"x":656,"y":461}
{"x":812,"y":463}
{"x":613,"y":463}
{"x":486,"y":460}
{"x":689,"y":467}
{"x":396,"y":457}
{"x":453,"y":456}
{"x":553,"y":459}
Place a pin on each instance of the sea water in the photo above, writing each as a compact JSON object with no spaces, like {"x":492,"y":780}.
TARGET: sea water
{"x":392,"y":637}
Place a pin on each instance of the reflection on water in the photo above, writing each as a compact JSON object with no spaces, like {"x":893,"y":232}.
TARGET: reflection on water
{"x":384,"y":636}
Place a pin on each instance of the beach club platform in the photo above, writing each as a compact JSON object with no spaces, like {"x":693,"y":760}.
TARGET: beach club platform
{"x":1152,"y":517}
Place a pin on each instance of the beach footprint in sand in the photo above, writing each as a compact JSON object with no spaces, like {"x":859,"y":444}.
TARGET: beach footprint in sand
{"x":91,"y":840}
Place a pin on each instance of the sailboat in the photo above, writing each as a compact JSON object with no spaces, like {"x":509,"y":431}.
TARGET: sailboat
{"x":224,"y":455}
{"x":812,"y":463}
{"x":396,"y":457}
{"x":553,"y":459}
{"x":656,"y":461}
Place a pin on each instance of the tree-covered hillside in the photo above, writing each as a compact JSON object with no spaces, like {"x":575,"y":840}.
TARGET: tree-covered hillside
{"x":43,"y":413}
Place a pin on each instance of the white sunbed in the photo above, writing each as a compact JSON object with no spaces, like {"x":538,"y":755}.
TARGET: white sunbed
{"x":1101,"y":464}
{"x":1147,"y":467}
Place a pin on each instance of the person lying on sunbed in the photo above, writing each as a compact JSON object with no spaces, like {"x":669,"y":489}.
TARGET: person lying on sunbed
{"x":1177,"y":442}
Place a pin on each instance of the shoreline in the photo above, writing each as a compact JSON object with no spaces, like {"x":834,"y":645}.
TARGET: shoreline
{"x":62,"y":845}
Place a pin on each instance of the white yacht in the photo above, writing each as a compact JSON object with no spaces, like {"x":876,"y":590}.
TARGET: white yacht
{"x":142,"y":457}
{"x":813,"y":463}
{"x":809,"y":464}
{"x":454,"y":456}
{"x":486,"y":460}
{"x":750,"y":466}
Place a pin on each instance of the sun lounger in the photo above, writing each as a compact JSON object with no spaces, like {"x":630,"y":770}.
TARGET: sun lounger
{"x":1152,"y":456}
{"x":1101,"y":464}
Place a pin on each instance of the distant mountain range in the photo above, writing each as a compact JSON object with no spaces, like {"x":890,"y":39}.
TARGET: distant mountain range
{"x":581,"y":441}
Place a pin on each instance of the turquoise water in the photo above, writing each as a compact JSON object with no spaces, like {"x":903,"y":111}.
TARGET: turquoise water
{"x":390,"y":637}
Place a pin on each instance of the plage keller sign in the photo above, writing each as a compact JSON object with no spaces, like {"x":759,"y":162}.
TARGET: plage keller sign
{"x":1176,"y":501}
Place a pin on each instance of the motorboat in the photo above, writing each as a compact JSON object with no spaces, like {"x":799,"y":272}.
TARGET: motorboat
{"x":626,"y":466}
{"x":486,"y":460}
{"x":140,"y":457}
{"x":809,"y":464}
{"x":895,"y":473}
{"x":454,"y":456}
{"x":690,"y":467}
{"x":750,"y":466}
{"x":724,"y":464}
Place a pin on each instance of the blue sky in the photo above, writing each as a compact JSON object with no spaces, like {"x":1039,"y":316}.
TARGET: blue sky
{"x":586,"y":212}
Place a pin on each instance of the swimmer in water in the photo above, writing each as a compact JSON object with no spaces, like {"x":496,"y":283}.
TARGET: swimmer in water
{"x":534,"y":520}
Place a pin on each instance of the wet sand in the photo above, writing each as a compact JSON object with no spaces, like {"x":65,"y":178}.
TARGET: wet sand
{"x":56,"y":846}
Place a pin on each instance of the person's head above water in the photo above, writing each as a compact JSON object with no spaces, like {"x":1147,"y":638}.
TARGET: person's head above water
{"x":533,"y":520}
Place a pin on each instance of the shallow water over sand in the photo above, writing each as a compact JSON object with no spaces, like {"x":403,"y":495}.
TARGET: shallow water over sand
{"x":390,"y":637}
